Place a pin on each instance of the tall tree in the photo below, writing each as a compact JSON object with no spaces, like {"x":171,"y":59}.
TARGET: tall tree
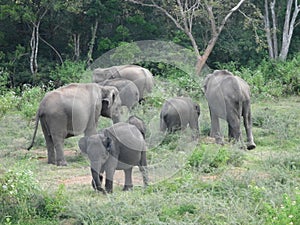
{"x":185,"y":13}
{"x":272,"y":29}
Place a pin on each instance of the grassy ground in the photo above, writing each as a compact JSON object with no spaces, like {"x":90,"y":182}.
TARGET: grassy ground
{"x":191,"y":183}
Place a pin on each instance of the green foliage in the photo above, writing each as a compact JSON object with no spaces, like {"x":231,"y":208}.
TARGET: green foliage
{"x":68,"y":72}
{"x":53,"y":204}
{"x":270,"y":78}
{"x":19,"y":193}
{"x":207,"y":159}
{"x":8,"y":101}
{"x":288,"y":212}
{"x":176,"y":212}
{"x":125,"y":53}
{"x":30,"y":100}
{"x":22,"y":198}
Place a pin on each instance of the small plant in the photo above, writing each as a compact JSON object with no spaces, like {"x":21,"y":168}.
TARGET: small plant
{"x":208,"y":160}
{"x":53,"y":205}
{"x":286,"y":213}
{"x":8,"y":102}
{"x":30,"y":100}
{"x":19,"y":192}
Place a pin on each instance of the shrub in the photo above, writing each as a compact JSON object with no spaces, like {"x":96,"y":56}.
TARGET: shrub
{"x":288,"y":212}
{"x":8,"y":101}
{"x":68,"y":72}
{"x":30,"y":100}
{"x":270,"y":78}
{"x":208,"y":160}
{"x":22,"y":198}
{"x":19,"y":193}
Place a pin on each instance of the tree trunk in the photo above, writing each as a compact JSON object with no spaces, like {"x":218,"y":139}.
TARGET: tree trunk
{"x":76,"y":39}
{"x":288,"y":29}
{"x":274,"y":30}
{"x":268,"y":31}
{"x":92,"y":43}
{"x":34,"y":44}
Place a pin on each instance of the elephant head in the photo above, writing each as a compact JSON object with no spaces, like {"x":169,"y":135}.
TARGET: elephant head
{"x":98,"y":148}
{"x":111,"y":103}
{"x":119,"y":147}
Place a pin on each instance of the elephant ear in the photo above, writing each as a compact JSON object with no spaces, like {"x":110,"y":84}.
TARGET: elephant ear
{"x":197,"y":108}
{"x":82,"y":143}
{"x":106,"y":141}
{"x":109,"y":95}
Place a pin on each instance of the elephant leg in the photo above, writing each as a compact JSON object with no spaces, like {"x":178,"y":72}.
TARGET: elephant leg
{"x":215,"y":128}
{"x":110,"y":171}
{"x":59,"y":145}
{"x":233,"y":120}
{"x":143,"y":169}
{"x":128,"y":179}
{"x":248,"y":125}
{"x":230,"y":133}
{"x":49,"y":143}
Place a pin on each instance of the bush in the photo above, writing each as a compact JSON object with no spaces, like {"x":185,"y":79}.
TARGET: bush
{"x":19,"y":194}
{"x":22,"y":198}
{"x":288,"y":212}
{"x":30,"y":100}
{"x":208,"y":160}
{"x":8,"y":101}
{"x":68,"y":72}
{"x":270,"y":78}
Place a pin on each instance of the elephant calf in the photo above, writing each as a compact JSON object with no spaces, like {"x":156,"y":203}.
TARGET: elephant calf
{"x":119,"y":147}
{"x":228,"y":98}
{"x":177,"y":113}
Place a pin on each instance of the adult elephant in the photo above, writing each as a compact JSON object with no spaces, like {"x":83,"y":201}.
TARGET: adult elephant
{"x":177,"y":113}
{"x":72,"y":110}
{"x":142,"y":77}
{"x":129,"y":93}
{"x":228,"y":98}
{"x":119,"y":147}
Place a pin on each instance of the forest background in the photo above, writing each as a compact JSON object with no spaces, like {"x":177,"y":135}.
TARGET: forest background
{"x":51,"y":43}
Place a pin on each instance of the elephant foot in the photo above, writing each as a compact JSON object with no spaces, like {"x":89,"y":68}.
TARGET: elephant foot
{"x":97,"y":188}
{"x":251,"y":146}
{"x":61,"y":163}
{"x":127,"y":187}
{"x":51,"y":162}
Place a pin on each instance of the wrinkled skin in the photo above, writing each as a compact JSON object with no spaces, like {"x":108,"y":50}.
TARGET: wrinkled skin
{"x":72,"y":110}
{"x":119,"y":147}
{"x":142,"y":77}
{"x":139,"y":123}
{"x":228,"y":98}
{"x":177,"y":113}
{"x":129,"y":93}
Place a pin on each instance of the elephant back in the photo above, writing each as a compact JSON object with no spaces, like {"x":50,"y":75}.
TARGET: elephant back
{"x":127,"y":136}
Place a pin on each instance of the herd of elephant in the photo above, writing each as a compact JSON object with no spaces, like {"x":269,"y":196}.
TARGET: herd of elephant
{"x":75,"y":109}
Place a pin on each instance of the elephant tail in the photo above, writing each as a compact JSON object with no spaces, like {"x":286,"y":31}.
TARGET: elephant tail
{"x":37,"y":118}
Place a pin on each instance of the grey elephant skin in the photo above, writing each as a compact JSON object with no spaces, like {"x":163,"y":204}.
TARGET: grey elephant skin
{"x":228,"y":98}
{"x":72,"y":110}
{"x":142,"y":77}
{"x":139,"y":123}
{"x":119,"y":147}
{"x":177,"y":113}
{"x":129,"y":93}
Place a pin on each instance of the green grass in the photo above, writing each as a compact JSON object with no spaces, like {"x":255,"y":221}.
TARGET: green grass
{"x":191,"y":183}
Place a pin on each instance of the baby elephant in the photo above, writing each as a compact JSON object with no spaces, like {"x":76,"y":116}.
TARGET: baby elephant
{"x":177,"y":113}
{"x":119,"y":147}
